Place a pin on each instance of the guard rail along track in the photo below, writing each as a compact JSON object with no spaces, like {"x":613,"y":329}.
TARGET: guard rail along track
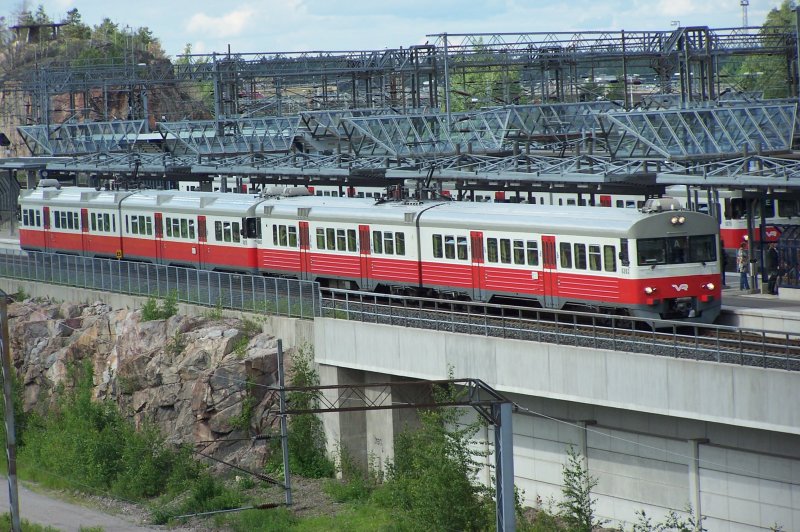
{"x":304,"y":299}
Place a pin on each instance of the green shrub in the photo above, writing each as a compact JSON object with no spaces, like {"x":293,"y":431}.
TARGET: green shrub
{"x":152,"y":310}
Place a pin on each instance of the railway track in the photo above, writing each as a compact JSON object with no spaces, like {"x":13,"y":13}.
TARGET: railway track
{"x":711,"y":343}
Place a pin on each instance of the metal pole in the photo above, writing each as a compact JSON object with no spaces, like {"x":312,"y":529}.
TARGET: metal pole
{"x":284,"y":429}
{"x":504,"y":467}
{"x":446,"y":82}
{"x":11,"y":438}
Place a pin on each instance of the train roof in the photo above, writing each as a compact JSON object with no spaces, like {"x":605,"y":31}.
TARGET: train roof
{"x":543,"y":219}
{"x":74,"y":197}
{"x":210,"y":203}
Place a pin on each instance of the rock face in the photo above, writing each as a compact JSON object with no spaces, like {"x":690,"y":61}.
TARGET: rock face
{"x":201,"y":381}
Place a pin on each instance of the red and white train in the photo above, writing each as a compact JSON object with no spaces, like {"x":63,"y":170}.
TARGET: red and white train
{"x":657,"y":263}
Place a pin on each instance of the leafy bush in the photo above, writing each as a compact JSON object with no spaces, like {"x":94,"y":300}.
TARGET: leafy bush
{"x":152,"y":310}
{"x":307,"y":445}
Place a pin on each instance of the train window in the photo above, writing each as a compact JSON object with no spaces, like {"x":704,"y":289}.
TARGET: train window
{"x":56,"y":219}
{"x":505,"y":251}
{"x":93,"y":222}
{"x":702,"y":248}
{"x":566,"y":255}
{"x":400,"y":243}
{"x":330,"y":238}
{"x":651,"y":251}
{"x":275,"y":235}
{"x":218,"y":231}
{"x":449,"y":247}
{"x":533,"y":252}
{"x":570,"y":202}
{"x":283,"y":235}
{"x":580,"y":256}
{"x":610,"y":257}
{"x":388,"y":243}
{"x":184,"y":228}
{"x":676,"y":248}
{"x":620,"y":204}
{"x":351,"y":240}
{"x":623,"y":253}
{"x":519,"y":252}
{"x":462,"y":248}
{"x":226,"y":231}
{"x":320,"y":238}
{"x":595,"y":264}
{"x":491,"y":249}
{"x":787,"y":208}
{"x":292,"y":236}
{"x":341,"y":240}
{"x":252,"y":228}
{"x":377,"y":243}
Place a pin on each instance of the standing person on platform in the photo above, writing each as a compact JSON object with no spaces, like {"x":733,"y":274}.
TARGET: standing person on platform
{"x":742,"y":266}
{"x":771,"y":265}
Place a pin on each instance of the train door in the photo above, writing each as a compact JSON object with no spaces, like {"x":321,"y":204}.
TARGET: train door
{"x":85,"y":237}
{"x":476,"y":238}
{"x":364,"y":256}
{"x":549,"y":272}
{"x":159,"y":233}
{"x":305,"y":252}
{"x":202,"y":242}
{"x":46,"y":225}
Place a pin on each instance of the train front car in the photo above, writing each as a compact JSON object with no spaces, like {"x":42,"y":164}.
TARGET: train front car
{"x":673,"y":267}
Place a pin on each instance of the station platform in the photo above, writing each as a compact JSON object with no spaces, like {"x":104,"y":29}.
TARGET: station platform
{"x":755,"y":310}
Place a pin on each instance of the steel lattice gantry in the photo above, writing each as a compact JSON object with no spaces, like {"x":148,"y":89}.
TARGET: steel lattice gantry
{"x":752,"y":171}
{"x":704,"y":132}
{"x":81,"y":138}
{"x":230,"y":137}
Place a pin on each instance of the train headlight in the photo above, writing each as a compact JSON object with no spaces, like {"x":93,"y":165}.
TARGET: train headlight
{"x":649,"y":290}
{"x":677,"y":220}
{"x":710,"y":286}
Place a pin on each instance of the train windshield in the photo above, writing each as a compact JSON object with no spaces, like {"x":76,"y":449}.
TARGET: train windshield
{"x":676,"y":250}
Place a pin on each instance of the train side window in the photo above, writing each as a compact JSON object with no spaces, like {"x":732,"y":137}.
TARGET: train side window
{"x":341,"y":240}
{"x":449,"y":247}
{"x":75,"y":222}
{"x":226,"y":231}
{"x":275,"y":235}
{"x":505,"y":251}
{"x":184,"y":225}
{"x":624,"y":257}
{"x":377,"y":242}
{"x":491,"y":249}
{"x":93,"y":221}
{"x":594,"y":257}
{"x":176,"y":227}
{"x":565,"y":252}
{"x":787,"y":208}
{"x":25,"y":217}
{"x":292,"y":236}
{"x":438,"y":252}
{"x":610,"y":258}
{"x":533,"y":252}
{"x":134,"y":225}
{"x":388,"y":243}
{"x":330,"y":238}
{"x":620,"y":204}
{"x":148,"y":224}
{"x":462,"y":248}
{"x":351,"y":240}
{"x":399,"y":241}
{"x":519,"y":252}
{"x":283,"y":236}
{"x":320,"y":238}
{"x":580,"y":256}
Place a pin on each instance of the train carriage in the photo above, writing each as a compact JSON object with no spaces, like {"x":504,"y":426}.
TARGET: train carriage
{"x":199,"y":229}
{"x":71,"y":220}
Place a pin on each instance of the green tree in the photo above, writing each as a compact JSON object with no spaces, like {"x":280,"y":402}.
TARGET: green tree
{"x":766,"y":73}
{"x":75,"y":28}
{"x":433,"y":477}
{"x":577,"y":508}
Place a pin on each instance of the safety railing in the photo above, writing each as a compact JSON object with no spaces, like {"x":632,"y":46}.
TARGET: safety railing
{"x":677,"y":339}
{"x":252,"y":293}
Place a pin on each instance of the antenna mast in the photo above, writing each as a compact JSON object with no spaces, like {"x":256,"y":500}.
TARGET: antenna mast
{"x":744,"y":4}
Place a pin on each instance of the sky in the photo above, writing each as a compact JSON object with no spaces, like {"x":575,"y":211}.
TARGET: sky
{"x":351,"y":25}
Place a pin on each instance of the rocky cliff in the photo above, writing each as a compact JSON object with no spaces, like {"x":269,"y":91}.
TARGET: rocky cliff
{"x":202,"y":380}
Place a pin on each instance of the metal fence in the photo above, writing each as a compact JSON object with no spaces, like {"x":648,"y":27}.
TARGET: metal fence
{"x":712,"y":343}
{"x":252,"y":293}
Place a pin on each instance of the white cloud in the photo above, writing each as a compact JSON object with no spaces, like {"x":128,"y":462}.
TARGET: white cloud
{"x":228,"y":25}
